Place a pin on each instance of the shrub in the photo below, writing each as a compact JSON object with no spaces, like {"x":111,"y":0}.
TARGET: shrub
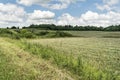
{"x":26,"y":34}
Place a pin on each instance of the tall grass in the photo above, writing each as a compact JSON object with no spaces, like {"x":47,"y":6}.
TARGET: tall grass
{"x":11,"y":71}
{"x":102,"y":53}
{"x":75,"y":65}
{"x":59,"y":59}
{"x":17,"y":64}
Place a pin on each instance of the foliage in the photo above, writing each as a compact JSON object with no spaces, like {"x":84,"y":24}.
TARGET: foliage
{"x":26,"y":34}
{"x":16,"y":34}
{"x":73,"y":28}
{"x":30,"y":34}
{"x":113,"y":28}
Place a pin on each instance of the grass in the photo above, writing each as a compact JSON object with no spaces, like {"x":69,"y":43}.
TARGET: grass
{"x":17,"y":64}
{"x":94,"y":34}
{"x":91,"y":56}
{"x":61,"y":60}
{"x":52,"y":34}
{"x":103,"y":54}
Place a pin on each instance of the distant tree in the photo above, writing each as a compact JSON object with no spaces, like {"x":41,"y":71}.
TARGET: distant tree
{"x":13,"y":27}
{"x":74,"y":28}
{"x":18,"y":28}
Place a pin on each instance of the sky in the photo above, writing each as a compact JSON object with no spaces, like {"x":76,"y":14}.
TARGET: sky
{"x":60,"y":12}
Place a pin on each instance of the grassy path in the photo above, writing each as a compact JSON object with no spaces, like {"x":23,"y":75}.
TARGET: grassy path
{"x":17,"y":64}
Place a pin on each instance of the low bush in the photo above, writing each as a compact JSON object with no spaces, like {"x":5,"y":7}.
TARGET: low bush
{"x":56,"y":34}
{"x":24,"y":33}
{"x":16,"y":34}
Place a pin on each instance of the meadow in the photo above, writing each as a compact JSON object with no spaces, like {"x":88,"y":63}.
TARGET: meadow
{"x":102,"y":54}
{"x":95,"y":34}
{"x":84,"y":55}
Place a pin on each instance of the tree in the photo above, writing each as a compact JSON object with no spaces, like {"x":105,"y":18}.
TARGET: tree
{"x":13,"y":27}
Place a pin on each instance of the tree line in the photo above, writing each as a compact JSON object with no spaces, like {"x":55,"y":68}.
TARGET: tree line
{"x":70,"y":27}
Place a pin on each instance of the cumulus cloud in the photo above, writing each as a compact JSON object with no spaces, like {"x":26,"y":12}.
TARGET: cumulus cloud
{"x":52,"y":4}
{"x":109,"y":18}
{"x":67,"y":19}
{"x":106,"y":19}
{"x":11,"y":13}
{"x":38,"y":14}
{"x":90,"y":18}
{"x":40,"y":17}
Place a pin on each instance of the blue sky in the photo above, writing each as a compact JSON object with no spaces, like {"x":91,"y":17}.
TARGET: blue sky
{"x":74,"y":9}
{"x":59,"y":12}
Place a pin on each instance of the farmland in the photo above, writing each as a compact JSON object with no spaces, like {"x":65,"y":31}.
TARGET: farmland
{"x":100,"y":53}
{"x":86,"y":55}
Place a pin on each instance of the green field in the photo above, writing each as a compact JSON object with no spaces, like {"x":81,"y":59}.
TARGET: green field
{"x":92,"y":55}
{"x":96,"y":34}
{"x":100,"y":53}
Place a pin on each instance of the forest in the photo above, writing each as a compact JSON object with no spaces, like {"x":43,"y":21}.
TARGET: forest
{"x":74,"y":28}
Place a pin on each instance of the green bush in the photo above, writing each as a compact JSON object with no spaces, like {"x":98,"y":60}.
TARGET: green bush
{"x":26,"y":34}
{"x":42,"y":33}
{"x":56,"y":34}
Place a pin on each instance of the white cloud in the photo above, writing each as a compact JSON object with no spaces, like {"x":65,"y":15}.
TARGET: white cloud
{"x":13,"y":15}
{"x":90,"y":18}
{"x":40,"y":17}
{"x":58,"y":4}
{"x":41,"y":21}
{"x":10,"y":13}
{"x":31,"y":2}
{"x":90,"y":15}
{"x":93,"y":18}
{"x":38,"y":14}
{"x":67,"y":19}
